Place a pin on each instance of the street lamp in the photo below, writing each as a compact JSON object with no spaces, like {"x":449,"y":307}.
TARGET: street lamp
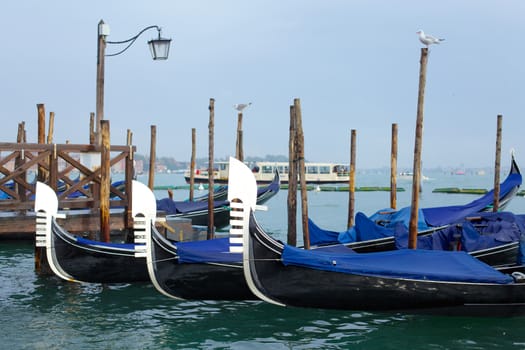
{"x":159,"y":48}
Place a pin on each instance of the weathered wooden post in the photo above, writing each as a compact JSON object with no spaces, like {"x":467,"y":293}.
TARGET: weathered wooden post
{"x":105,"y":180}
{"x":211,"y":125}
{"x":192,"y":163}
{"x":393,"y":168}
{"x":412,"y":241}
{"x":351,"y":180}
{"x":129,"y":175}
{"x":24,"y":132}
{"x":20,"y":132}
{"x":152,"y":157}
{"x":39,"y":252}
{"x":302,"y":177}
{"x":239,"y":153}
{"x":292,"y":182}
{"x":241,"y":149}
{"x":42,"y":174}
{"x":92,"y":133}
{"x":51,"y":127}
{"x":497,"y":165}
{"x":101,"y":55}
{"x":129,"y":137}
{"x":20,"y":160}
{"x":41,"y":123}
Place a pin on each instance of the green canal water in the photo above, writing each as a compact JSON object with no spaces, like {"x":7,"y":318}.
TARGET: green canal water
{"x":39,"y":312}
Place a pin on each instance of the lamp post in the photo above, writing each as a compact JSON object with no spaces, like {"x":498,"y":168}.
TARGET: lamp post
{"x":159,"y":48}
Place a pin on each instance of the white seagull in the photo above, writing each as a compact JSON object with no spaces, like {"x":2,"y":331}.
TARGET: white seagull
{"x":428,"y":39}
{"x":241,"y":106}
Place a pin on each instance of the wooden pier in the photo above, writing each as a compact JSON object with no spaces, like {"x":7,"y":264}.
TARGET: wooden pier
{"x":80,"y":174}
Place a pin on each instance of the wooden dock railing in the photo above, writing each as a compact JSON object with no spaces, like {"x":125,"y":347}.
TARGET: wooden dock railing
{"x":63,"y":167}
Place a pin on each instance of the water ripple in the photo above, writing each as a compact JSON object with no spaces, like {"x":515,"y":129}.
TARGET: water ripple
{"x":47,"y":313}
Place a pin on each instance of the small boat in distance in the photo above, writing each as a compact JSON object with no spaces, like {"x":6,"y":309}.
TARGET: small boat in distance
{"x":408,"y":175}
{"x":316,"y":173}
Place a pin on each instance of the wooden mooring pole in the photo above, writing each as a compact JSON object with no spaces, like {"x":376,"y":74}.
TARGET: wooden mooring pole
{"x":292,"y":183}
{"x":92,"y":132}
{"x":130,"y":174}
{"x":20,"y":160}
{"x":302,"y":176}
{"x":51,"y":127}
{"x":152,"y":157}
{"x":40,"y":252}
{"x":497,"y":165}
{"x":393,"y":168}
{"x":42,"y":173}
{"x":412,"y":241}
{"x":211,"y":125}
{"x":105,"y":181}
{"x":192,"y":163}
{"x":351,"y":179}
{"x":239,"y":152}
{"x":129,"y":137}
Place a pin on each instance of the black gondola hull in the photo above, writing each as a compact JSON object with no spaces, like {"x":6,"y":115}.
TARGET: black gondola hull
{"x":196,"y":281}
{"x":306,"y":287}
{"x":97,"y":264}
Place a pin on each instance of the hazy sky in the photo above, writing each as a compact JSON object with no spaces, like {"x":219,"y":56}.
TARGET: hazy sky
{"x":353,"y":64}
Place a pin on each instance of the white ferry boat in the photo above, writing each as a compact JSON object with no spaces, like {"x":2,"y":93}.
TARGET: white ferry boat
{"x":316,"y":173}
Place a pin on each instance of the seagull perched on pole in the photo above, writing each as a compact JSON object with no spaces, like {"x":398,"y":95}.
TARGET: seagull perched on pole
{"x":241,"y":106}
{"x":428,"y":39}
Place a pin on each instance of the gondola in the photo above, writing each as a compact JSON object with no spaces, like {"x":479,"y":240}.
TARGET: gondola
{"x":77,"y":259}
{"x":492,"y":237}
{"x":202,"y":270}
{"x":196,"y":270}
{"x":429,"y":219}
{"x":407,"y":280}
{"x":198,"y":211}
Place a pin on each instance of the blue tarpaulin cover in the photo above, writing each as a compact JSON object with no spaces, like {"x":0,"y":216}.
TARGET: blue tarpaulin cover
{"x":413,"y":264}
{"x":176,"y":207}
{"x":384,"y":222}
{"x":486,"y":230}
{"x":495,"y":229}
{"x":444,"y":215}
{"x":439,"y":240}
{"x":366,"y":228}
{"x":212,"y":250}
{"x":320,"y":236}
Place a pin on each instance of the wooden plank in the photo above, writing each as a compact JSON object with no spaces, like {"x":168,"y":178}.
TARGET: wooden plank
{"x":76,"y":223}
